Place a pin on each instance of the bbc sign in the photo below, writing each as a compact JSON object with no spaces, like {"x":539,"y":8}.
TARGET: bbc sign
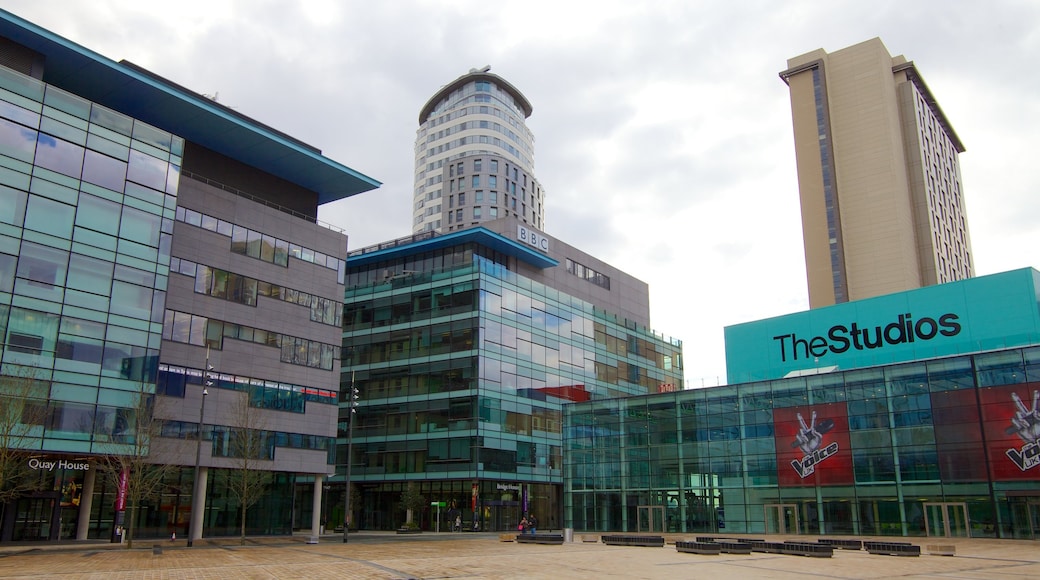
{"x":532,"y":238}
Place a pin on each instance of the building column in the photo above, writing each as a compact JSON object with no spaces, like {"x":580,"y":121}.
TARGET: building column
{"x":198,"y":505}
{"x":86,"y":499}
{"x":316,"y":530}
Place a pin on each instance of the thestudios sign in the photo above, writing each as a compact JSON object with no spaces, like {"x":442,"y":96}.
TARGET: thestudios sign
{"x":840,"y":338}
{"x":960,"y":317}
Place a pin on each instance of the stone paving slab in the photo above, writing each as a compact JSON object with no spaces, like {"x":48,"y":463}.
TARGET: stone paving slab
{"x":442,"y":556}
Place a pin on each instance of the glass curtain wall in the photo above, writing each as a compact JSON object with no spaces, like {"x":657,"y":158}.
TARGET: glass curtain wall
{"x":933,"y":448}
{"x":462,"y":372}
{"x":87,"y":197}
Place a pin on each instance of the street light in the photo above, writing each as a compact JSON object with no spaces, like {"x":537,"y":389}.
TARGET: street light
{"x":352,"y":403}
{"x":199,"y":501}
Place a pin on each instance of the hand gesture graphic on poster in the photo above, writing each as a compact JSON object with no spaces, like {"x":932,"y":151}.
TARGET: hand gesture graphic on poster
{"x":808,"y":438}
{"x":1026,"y":422}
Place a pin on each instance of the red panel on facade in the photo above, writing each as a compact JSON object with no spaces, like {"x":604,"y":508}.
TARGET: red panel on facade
{"x":812,"y":445}
{"x":1011,"y":420}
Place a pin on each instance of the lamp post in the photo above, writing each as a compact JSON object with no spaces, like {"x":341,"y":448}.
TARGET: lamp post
{"x":352,"y":403}
{"x":199,"y":500}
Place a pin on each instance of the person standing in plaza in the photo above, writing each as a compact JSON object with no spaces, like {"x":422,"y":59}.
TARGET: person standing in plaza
{"x":532,"y":523}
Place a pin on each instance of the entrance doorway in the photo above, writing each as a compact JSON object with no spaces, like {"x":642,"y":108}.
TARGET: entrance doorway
{"x":782,"y":518}
{"x":1025,"y":518}
{"x":947,"y":520}
{"x":36,"y":518}
{"x":650,"y":518}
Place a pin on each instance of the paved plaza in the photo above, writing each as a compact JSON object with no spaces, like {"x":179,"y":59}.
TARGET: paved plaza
{"x":386,"y":556}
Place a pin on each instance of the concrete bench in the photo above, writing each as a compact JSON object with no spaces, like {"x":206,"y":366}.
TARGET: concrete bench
{"x":728,"y":547}
{"x":589,"y":539}
{"x":506,"y":537}
{"x":942,"y":549}
{"x":815,"y":550}
{"x":767,"y":547}
{"x":618,"y":540}
{"x":892,"y":548}
{"x":727,"y":539}
{"x":707,"y":548}
{"x":539,"y":539}
{"x":843,"y":544}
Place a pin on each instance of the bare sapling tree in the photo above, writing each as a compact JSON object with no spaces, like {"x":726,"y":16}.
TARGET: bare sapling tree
{"x":131,"y":460}
{"x":412,"y":501}
{"x":250,"y":452}
{"x":355,"y":501}
{"x":23,"y":411}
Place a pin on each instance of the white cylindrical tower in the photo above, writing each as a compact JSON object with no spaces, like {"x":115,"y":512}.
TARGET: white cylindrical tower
{"x":474,"y":157}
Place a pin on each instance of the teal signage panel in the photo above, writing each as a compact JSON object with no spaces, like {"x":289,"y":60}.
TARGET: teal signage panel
{"x":983,"y":313}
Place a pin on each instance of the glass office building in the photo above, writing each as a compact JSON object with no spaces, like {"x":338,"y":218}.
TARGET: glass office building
{"x":152,"y":259}
{"x":84,"y":261}
{"x":942,"y":438}
{"x":463,"y":350}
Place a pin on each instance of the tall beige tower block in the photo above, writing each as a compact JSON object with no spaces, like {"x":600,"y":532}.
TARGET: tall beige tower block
{"x":878,"y":176}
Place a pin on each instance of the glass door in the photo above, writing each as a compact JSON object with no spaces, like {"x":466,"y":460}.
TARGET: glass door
{"x":781,"y":518}
{"x":1025,"y":519}
{"x":948,"y":520}
{"x":650,"y":518}
{"x":35,"y":519}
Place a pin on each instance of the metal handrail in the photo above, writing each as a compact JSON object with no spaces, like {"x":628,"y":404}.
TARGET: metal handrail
{"x":260,"y":200}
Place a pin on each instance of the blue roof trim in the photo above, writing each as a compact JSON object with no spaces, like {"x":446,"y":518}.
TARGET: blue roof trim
{"x":136,"y":92}
{"x":478,"y":235}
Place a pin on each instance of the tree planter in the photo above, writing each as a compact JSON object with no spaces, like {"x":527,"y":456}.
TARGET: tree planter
{"x":409,"y":531}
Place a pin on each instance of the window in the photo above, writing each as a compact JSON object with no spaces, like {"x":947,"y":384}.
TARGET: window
{"x":49,"y":217}
{"x":478,"y":165}
{"x":476,"y":213}
{"x":32,"y":332}
{"x":462,"y":199}
{"x":493,"y":212}
{"x":131,"y":300}
{"x":478,"y":196}
{"x":494,"y":166}
{"x":139,"y":226}
{"x":42,"y":266}
{"x":105,"y":171}
{"x":15,"y":140}
{"x":147,"y":170}
{"x":493,"y":198}
{"x":476,"y":181}
{"x":90,"y":274}
{"x":25,"y":343}
{"x":59,"y":156}
{"x":492,"y":181}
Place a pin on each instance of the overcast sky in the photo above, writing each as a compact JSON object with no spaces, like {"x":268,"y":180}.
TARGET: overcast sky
{"x":663,"y":132}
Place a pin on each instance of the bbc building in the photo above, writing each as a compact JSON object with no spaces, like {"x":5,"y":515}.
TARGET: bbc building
{"x":910,"y":414}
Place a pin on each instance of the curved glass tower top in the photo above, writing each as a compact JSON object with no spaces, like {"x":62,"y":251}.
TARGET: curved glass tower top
{"x":474,"y":157}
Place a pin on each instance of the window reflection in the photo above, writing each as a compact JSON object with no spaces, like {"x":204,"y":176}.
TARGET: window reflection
{"x":16,"y":141}
{"x":262,"y":246}
{"x":147,"y":170}
{"x":59,"y":156}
